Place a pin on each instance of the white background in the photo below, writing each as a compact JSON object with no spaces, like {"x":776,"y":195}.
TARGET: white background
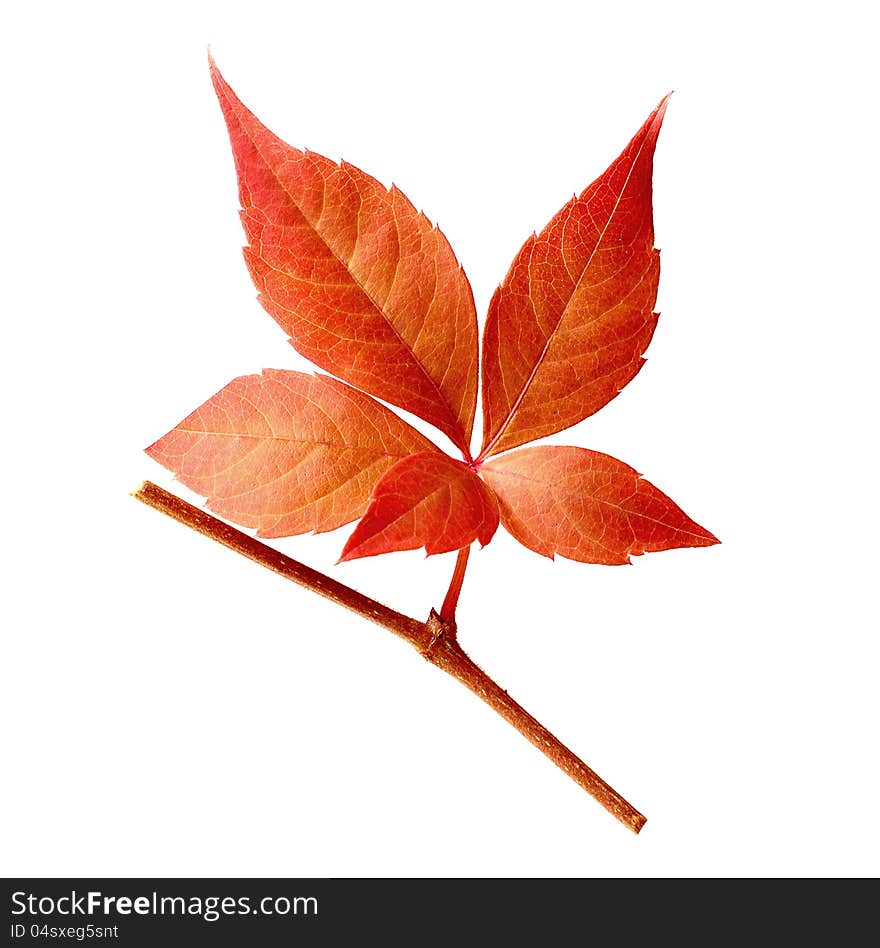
{"x":170,"y":709}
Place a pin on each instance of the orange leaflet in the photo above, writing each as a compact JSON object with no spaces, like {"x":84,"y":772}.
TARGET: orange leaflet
{"x":426,"y":500}
{"x":364,"y":284}
{"x":567,"y":328}
{"x":586,"y":506}
{"x":286,"y":452}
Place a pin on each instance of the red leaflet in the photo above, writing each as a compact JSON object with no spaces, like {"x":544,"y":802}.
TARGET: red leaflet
{"x":286,"y":452}
{"x":567,"y":328}
{"x":366,"y":287}
{"x":425,"y":500}
{"x":586,"y":506}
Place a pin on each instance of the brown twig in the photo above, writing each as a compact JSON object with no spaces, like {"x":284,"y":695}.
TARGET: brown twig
{"x":435,"y":639}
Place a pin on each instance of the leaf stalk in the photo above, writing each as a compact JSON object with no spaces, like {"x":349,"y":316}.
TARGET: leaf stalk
{"x":447,"y":610}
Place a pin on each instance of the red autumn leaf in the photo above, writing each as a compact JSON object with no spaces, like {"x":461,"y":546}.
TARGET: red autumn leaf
{"x":567,"y":328}
{"x":426,"y":500}
{"x":368,"y":289}
{"x":364,"y":284}
{"x":586,"y":506}
{"x":286,"y":452}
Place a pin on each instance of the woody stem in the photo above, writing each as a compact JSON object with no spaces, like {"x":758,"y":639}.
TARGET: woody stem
{"x":435,"y":639}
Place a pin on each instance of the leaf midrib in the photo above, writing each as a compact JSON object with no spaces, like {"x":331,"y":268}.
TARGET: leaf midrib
{"x":290,"y":440}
